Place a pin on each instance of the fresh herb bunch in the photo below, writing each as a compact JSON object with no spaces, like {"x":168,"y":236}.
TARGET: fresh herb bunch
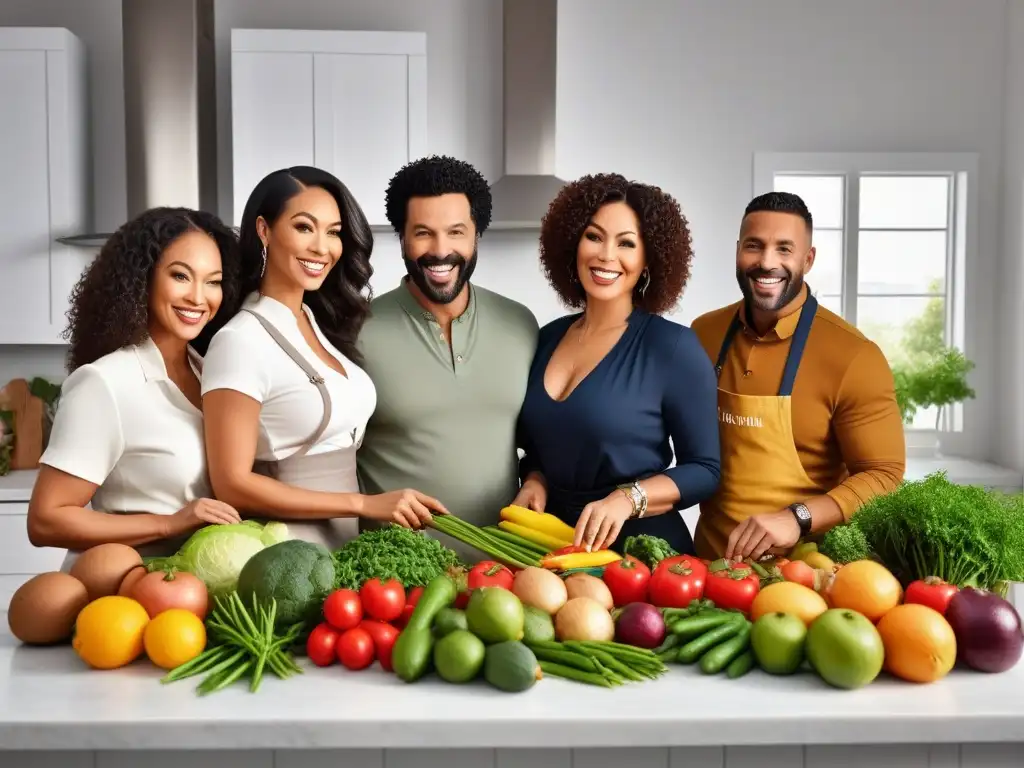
{"x":240,"y":645}
{"x":649,"y":550}
{"x":392,"y":552}
{"x":963,"y":534}
{"x":845,"y":544}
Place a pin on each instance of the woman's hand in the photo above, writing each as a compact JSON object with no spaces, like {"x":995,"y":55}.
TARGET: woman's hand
{"x":202,"y":512}
{"x":533,"y":494}
{"x":601,"y":521}
{"x":408,"y":508}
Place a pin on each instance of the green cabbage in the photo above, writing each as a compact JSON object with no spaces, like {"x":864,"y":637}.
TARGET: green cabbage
{"x":217,"y":553}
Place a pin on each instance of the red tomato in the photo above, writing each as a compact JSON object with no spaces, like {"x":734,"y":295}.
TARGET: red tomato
{"x":383,"y":600}
{"x":160,"y":590}
{"x":800,"y":572}
{"x":732,"y":587}
{"x":321,"y":644}
{"x":343,"y":609}
{"x":384,"y":636}
{"x":355,"y":649}
{"x":932,"y":591}
{"x":462,"y":600}
{"x":627,"y":580}
{"x":488,"y":573}
{"x":677,"y":581}
{"x":410,"y":603}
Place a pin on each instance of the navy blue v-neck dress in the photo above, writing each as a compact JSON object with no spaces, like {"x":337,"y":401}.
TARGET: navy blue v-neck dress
{"x":656,"y":383}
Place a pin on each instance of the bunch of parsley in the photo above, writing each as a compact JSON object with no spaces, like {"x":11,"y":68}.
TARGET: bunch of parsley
{"x":392,"y":552}
{"x":963,"y":534}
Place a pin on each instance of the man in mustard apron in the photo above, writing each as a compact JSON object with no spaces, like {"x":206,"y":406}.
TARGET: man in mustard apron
{"x":810,"y":429}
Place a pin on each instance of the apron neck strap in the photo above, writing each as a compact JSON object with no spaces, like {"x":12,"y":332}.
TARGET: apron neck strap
{"x":796,"y":348}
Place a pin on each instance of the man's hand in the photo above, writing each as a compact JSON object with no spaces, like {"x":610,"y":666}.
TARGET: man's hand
{"x":761,"y":533}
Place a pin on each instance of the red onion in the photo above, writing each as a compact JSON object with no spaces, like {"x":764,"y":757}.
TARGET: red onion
{"x":987,"y":628}
{"x":640,"y":625}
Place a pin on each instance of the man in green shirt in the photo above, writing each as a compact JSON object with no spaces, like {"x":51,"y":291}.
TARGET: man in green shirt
{"x":449,"y":359}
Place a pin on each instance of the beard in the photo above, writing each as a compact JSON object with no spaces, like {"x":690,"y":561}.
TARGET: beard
{"x":440,"y":294}
{"x":787,"y":290}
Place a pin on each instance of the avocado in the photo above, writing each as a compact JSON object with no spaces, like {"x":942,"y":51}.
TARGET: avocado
{"x":448,"y":620}
{"x":458,"y":656}
{"x":511,"y":666}
{"x":538,"y":626}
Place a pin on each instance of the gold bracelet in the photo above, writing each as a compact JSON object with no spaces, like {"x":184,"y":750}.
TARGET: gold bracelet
{"x":637,"y":497}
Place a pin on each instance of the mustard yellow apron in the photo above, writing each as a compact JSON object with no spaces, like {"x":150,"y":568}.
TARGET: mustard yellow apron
{"x":761,"y":468}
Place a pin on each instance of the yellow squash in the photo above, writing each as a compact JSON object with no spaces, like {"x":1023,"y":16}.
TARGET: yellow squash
{"x":544,"y":522}
{"x":593,"y":559}
{"x":538,"y":537}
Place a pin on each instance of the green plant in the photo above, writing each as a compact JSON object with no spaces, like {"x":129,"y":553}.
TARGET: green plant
{"x":938,"y":379}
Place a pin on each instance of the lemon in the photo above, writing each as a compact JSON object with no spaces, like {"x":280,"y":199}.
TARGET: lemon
{"x":173,"y":637}
{"x":108,"y":632}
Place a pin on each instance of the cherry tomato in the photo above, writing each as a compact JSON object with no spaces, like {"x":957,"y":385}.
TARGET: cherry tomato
{"x":321,"y":645}
{"x":383,"y":600}
{"x":410,"y":603}
{"x":343,"y":609}
{"x":355,"y":649}
{"x":384,"y":636}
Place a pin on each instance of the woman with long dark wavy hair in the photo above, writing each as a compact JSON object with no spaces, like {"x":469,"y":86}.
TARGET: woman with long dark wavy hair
{"x":125,"y":462}
{"x":285,"y":399}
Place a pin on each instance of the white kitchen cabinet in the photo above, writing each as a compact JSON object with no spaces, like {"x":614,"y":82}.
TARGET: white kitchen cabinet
{"x":19,"y":559}
{"x":43,"y":180}
{"x":352,"y":103}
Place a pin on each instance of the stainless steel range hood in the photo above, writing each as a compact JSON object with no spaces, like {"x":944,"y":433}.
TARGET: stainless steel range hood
{"x":522,"y":195}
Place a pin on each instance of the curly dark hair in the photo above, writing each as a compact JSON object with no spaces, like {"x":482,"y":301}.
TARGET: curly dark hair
{"x":433,"y":176}
{"x":663,"y":229}
{"x":110,"y":303}
{"x":342,"y":303}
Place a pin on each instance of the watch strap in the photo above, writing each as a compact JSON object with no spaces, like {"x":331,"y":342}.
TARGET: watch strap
{"x":803,"y":517}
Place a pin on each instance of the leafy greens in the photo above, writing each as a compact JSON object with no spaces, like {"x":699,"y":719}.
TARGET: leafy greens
{"x":392,"y":552}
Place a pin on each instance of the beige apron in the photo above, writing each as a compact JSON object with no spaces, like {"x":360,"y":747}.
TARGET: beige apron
{"x":761,"y":468}
{"x":332,"y":472}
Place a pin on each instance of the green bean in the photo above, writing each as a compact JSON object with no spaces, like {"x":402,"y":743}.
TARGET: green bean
{"x":609,"y":661}
{"x":198,"y":665}
{"x":519,"y":541}
{"x":566,"y":658}
{"x":569,"y":673}
{"x":226,"y":680}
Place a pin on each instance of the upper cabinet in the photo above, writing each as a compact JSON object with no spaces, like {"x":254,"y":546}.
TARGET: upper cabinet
{"x":352,"y":103}
{"x":43,"y":180}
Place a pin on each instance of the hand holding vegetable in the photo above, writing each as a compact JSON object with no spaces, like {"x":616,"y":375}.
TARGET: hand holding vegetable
{"x":533,"y":494}
{"x":202,"y":512}
{"x":409,"y":508}
{"x":761,"y":533}
{"x":601,"y":521}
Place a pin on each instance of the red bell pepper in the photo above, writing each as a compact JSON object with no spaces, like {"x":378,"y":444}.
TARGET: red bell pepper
{"x":931,"y":591}
{"x":676,"y":582}
{"x":488,"y":573}
{"x":732,"y":585}
{"x":627,"y":579}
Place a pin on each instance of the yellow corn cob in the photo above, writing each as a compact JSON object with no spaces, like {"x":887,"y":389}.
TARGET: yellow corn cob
{"x":539,"y":537}
{"x":581,"y":560}
{"x":539,"y":521}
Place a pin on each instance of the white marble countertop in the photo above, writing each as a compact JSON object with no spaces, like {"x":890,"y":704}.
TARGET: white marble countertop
{"x":50,"y":701}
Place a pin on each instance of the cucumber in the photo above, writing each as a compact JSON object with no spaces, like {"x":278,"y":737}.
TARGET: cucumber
{"x":411,"y":654}
{"x":719,"y":657}
{"x":740,"y":665}
{"x":695,"y":626}
{"x":697,"y":647}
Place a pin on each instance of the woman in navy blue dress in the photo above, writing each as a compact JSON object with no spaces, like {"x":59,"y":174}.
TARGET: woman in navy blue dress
{"x":613,"y":384}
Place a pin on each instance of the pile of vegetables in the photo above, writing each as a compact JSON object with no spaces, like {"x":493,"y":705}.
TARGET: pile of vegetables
{"x":964,"y":535}
{"x":391,"y":552}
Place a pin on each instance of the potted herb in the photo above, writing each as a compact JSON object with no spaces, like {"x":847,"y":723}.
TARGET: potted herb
{"x":938,"y":380}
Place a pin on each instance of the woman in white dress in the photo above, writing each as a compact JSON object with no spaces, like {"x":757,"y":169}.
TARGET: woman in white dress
{"x":125,"y":460}
{"x":284,"y":398}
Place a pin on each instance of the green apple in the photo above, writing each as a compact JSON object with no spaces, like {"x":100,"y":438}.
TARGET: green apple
{"x":844,"y":648}
{"x":777,"y":640}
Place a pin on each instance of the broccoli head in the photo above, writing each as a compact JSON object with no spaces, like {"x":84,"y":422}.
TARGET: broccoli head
{"x":297,"y":574}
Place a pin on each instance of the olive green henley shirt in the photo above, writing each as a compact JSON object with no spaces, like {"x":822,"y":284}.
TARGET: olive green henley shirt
{"x":445,"y":421}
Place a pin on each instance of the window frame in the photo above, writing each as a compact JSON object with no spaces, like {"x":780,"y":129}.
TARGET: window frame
{"x":962,"y":170}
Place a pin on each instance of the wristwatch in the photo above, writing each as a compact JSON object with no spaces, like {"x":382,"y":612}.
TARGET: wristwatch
{"x":803,"y":517}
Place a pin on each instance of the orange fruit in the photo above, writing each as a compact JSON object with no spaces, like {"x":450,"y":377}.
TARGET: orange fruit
{"x":788,"y":597}
{"x":866,"y":587}
{"x":919,"y":643}
{"x":173,"y":637}
{"x":108,"y":632}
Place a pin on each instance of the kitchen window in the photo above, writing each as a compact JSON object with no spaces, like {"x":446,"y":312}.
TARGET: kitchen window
{"x":892,"y":234}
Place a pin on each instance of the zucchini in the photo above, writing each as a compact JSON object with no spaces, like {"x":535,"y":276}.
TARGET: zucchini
{"x":411,"y":654}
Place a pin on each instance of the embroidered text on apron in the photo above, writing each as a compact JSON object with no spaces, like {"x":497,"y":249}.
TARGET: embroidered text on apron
{"x":761,"y":468}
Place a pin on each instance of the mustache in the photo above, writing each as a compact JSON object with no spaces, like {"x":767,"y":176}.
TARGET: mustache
{"x":757,"y":272}
{"x":433,"y":260}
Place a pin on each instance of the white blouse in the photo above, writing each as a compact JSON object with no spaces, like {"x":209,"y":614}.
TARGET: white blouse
{"x":243,"y":357}
{"x":123,"y":425}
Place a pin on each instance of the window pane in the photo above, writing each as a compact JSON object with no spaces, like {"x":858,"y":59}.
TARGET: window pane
{"x":903,"y":325}
{"x":833,"y":303}
{"x":904,"y":202}
{"x":827,"y":273}
{"x":823,"y":196}
{"x":901,"y":262}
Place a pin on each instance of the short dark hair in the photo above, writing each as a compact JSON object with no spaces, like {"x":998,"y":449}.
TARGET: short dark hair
{"x":340,"y":305}
{"x":781,"y":202}
{"x":110,"y":303}
{"x":663,"y":229}
{"x":434,"y":176}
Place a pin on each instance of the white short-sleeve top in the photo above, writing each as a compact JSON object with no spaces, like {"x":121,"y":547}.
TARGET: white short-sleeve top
{"x":244,"y":357}
{"x":123,"y":425}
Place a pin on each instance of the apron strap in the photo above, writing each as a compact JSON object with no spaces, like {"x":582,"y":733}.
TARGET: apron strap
{"x":796,"y":348}
{"x":309,"y":370}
